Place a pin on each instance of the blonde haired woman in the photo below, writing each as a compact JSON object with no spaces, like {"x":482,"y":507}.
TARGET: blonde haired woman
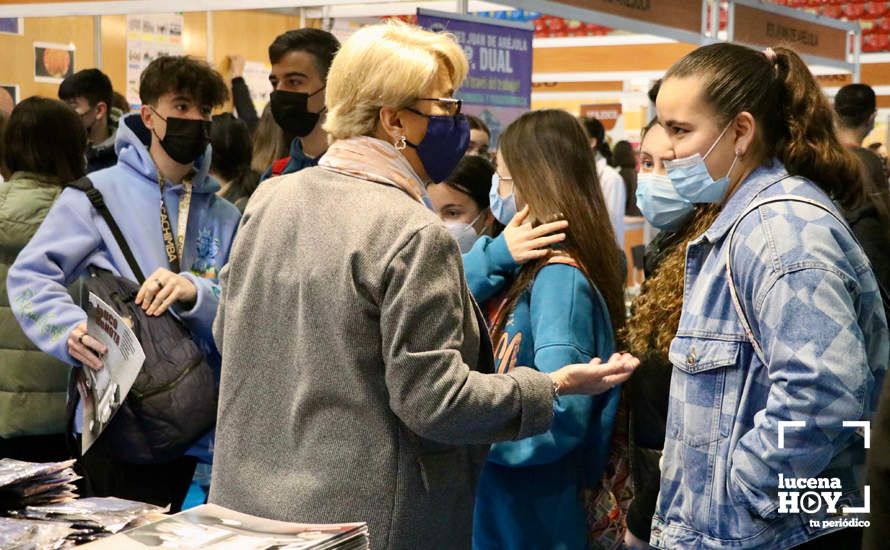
{"x":354,"y":380}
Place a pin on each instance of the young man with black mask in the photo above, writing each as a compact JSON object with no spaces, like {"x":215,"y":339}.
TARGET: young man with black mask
{"x":300,"y":62}
{"x":165,"y":204}
{"x":90,"y":94}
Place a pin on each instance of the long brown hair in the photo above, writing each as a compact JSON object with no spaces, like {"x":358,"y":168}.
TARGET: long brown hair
{"x":794,"y":119}
{"x":270,"y":143}
{"x":554,"y":171}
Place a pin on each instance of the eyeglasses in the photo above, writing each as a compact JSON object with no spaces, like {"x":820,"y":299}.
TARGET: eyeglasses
{"x":452,"y":106}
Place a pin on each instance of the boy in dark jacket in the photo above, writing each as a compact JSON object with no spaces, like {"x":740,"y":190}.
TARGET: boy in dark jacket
{"x":90,"y":94}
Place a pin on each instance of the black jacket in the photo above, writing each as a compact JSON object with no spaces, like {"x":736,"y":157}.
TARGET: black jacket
{"x":874,"y":236}
{"x":101,"y":157}
{"x":649,"y":390}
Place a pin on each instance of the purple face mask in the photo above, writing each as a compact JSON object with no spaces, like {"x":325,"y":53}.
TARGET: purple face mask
{"x":446,"y":140}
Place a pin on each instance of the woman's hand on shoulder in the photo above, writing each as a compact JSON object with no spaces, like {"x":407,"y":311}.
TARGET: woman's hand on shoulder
{"x":527,"y":243}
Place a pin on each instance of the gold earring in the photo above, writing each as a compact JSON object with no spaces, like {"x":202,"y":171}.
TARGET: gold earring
{"x":401,"y":143}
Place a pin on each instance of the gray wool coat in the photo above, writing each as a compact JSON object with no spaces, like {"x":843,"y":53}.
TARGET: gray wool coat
{"x":355,"y":381}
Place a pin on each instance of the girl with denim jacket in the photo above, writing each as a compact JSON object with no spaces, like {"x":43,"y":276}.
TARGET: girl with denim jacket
{"x":773,"y":355}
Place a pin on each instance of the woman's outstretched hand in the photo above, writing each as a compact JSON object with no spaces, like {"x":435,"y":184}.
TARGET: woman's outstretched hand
{"x":595,"y":377}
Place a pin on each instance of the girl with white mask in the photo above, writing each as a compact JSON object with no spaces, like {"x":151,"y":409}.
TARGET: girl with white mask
{"x":461,"y":201}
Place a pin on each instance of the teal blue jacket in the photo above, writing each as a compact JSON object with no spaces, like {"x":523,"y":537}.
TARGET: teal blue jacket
{"x":528,"y":492}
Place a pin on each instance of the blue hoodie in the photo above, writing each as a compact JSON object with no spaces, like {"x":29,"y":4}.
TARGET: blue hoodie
{"x":528,"y":494}
{"x":74,"y":237}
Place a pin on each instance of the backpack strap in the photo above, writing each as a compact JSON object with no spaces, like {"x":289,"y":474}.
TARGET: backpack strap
{"x":736,"y":302}
{"x":279,"y":165}
{"x":563,"y":260}
{"x":98,"y":201}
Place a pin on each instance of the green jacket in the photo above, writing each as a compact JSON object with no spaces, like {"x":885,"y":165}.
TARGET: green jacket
{"x":32,"y":383}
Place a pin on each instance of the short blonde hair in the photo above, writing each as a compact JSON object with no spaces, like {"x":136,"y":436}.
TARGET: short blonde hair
{"x":387,"y":65}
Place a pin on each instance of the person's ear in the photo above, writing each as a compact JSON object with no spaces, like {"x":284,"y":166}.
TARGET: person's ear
{"x":745,"y":129}
{"x":101,"y":110}
{"x":146,"y":113}
{"x":391,"y":124}
{"x":151,"y":121}
{"x":488,"y":218}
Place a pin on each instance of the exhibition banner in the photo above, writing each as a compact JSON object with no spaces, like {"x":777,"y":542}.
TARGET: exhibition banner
{"x":498,"y":86}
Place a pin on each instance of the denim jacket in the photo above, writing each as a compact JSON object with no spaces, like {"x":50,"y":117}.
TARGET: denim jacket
{"x":814,"y":307}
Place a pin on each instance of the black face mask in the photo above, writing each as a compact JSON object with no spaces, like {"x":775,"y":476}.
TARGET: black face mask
{"x":291,"y":112}
{"x":88,"y":128}
{"x":186,"y":138}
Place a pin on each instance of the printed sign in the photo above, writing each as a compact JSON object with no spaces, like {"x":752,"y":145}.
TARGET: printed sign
{"x":677,"y":14}
{"x":759,"y":27}
{"x":148,"y":37}
{"x":498,"y":86}
{"x":9,"y":97}
{"x":53,"y":62}
{"x":607,"y":113}
{"x":12,"y":25}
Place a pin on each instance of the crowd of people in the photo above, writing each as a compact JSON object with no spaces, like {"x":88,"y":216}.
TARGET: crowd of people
{"x":413,"y":326}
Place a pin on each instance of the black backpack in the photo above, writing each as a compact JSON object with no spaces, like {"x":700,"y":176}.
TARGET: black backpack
{"x":173,"y":401}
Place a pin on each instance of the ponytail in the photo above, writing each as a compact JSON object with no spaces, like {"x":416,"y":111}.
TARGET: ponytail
{"x":795,"y":121}
{"x":810,"y":147}
{"x":596,"y":130}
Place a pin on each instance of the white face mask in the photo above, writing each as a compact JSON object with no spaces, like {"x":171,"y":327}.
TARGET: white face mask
{"x":464,"y":233}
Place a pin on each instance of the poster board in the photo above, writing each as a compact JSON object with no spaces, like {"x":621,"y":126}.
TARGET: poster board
{"x":53,"y":62}
{"x":150,"y":36}
{"x":498,"y":86}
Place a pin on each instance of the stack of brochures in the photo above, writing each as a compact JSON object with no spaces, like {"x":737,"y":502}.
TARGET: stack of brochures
{"x":76,"y":522}
{"x":26,"y":533}
{"x":32,"y":483}
{"x":217,"y":528}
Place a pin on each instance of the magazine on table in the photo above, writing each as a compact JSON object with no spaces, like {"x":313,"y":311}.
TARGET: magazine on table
{"x":31,"y":483}
{"x":75,"y":522}
{"x":104,"y":391}
{"x":217,"y":528}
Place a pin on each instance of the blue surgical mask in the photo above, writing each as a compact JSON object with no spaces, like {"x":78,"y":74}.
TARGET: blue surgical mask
{"x":503,"y":208}
{"x":464,"y":233}
{"x":693,"y":181}
{"x":661,"y":205}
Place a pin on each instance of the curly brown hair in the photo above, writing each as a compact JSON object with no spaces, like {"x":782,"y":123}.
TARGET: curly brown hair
{"x":656,"y":311}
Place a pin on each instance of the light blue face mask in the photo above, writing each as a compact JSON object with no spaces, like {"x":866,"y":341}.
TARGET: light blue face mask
{"x":503,"y":208}
{"x":660,"y":203}
{"x":693,"y":181}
